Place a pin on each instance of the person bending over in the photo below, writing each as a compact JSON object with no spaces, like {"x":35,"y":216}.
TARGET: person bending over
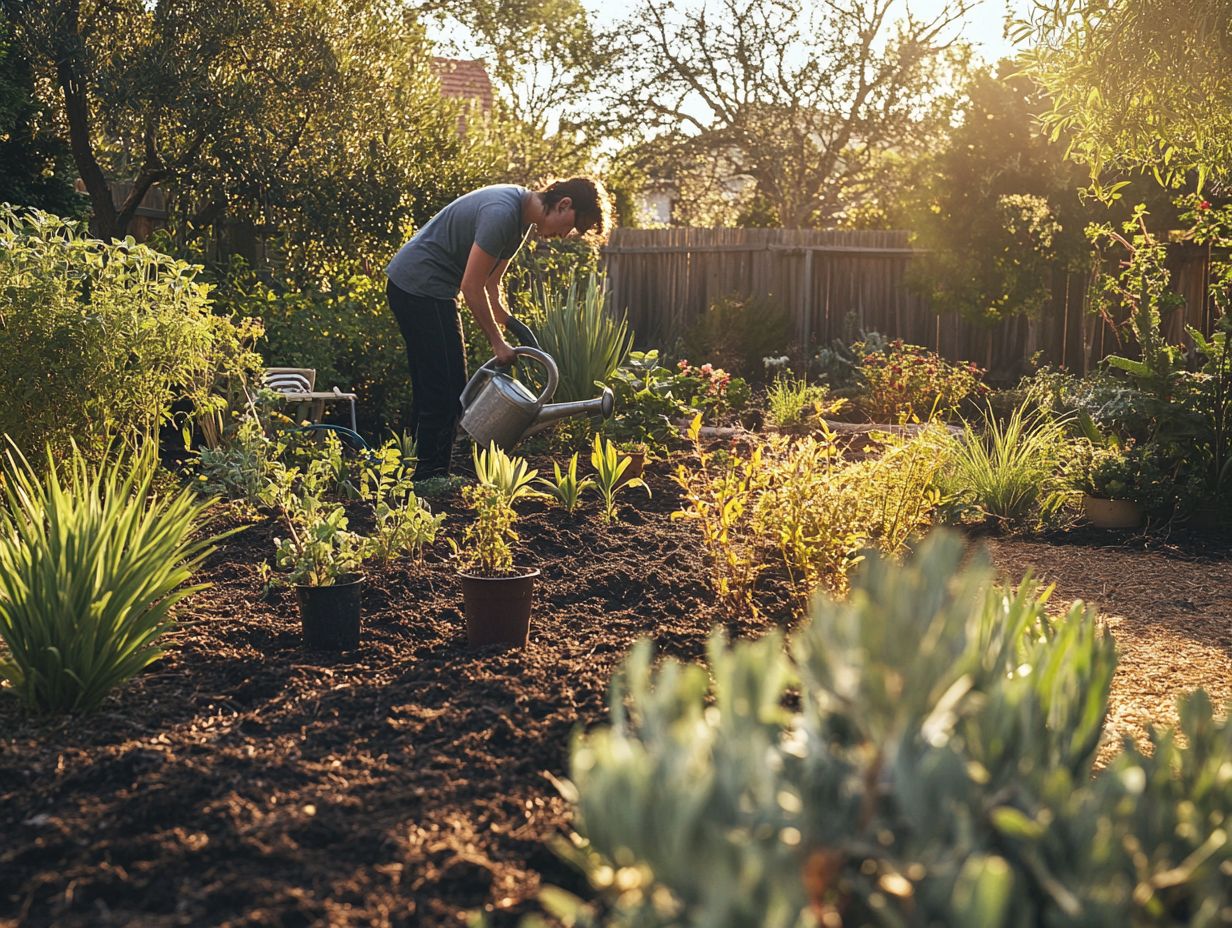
{"x":466,"y":247}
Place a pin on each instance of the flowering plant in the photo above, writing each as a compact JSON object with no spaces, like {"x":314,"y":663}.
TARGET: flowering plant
{"x":910,"y":382}
{"x":709,"y":389}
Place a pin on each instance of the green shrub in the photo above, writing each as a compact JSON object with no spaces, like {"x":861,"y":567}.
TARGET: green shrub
{"x":92,"y":563}
{"x":737,"y":332}
{"x":907,"y":382}
{"x":98,"y":340}
{"x":924,"y":756}
{"x":341,"y":326}
{"x":1005,"y":469}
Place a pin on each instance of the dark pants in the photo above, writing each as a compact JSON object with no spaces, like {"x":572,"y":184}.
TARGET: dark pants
{"x":433,"y":335}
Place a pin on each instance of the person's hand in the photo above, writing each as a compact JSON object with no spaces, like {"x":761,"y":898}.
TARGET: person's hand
{"x":503,"y":352}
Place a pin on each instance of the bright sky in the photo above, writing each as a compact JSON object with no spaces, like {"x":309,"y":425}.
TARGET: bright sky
{"x":983,"y":26}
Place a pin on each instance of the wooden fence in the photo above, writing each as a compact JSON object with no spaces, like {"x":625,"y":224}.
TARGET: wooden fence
{"x":666,"y":278}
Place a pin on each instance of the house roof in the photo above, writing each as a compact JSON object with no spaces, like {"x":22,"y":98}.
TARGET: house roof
{"x":465,"y":80}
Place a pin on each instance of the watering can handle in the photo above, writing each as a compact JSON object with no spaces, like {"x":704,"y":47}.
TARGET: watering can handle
{"x":492,"y":367}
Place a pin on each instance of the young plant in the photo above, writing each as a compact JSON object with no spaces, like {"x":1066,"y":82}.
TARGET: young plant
{"x":720,"y":494}
{"x":609,"y":474}
{"x":92,"y":563}
{"x":791,"y":402}
{"x":487,"y":546}
{"x":319,"y":549}
{"x":509,"y":475}
{"x":237,"y":466}
{"x":404,"y":523}
{"x":567,"y":489}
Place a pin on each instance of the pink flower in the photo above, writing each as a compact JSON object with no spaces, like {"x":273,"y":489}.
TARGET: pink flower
{"x":706,"y":368}
{"x":683,"y":365}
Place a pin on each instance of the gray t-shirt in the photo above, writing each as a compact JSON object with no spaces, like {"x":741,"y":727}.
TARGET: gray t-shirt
{"x":431,"y":264}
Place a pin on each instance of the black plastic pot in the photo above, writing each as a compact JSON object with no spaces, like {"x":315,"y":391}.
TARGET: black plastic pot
{"x":330,"y":614}
{"x":498,"y":608}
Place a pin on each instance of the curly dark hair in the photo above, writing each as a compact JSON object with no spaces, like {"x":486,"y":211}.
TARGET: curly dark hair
{"x":591,"y":203}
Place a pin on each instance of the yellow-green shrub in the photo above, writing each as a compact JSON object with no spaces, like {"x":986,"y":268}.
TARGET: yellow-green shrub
{"x":98,"y":340}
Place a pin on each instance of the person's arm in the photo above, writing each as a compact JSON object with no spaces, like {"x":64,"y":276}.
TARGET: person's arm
{"x":496,"y":298}
{"x":479,"y":267}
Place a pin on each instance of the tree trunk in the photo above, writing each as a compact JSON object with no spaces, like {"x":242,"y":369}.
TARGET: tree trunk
{"x":77,"y":110}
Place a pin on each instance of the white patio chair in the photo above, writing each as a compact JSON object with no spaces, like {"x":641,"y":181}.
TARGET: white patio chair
{"x":296,"y":385}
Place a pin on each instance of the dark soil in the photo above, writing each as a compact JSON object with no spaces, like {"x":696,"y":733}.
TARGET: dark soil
{"x":244,"y":781}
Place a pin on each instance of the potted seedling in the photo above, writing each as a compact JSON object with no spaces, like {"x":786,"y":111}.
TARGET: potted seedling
{"x":1114,"y":480}
{"x":497,"y":596}
{"x":637,"y":453}
{"x":319,"y":556}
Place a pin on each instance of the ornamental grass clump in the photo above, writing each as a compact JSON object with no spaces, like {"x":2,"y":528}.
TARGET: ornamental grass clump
{"x":587,"y":341}
{"x":920,"y":753}
{"x":92,"y":565}
{"x":1006,"y":470}
{"x":793,"y":402}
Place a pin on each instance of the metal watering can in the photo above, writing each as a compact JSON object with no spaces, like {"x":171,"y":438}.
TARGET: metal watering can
{"x":497,"y":408}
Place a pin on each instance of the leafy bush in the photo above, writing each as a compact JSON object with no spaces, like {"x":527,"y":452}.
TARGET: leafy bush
{"x":1006,"y":470}
{"x":710,"y":390}
{"x":98,"y":340}
{"x":647,"y":403}
{"x":908,"y":382}
{"x":921,"y":754}
{"x":1115,"y":470}
{"x":92,"y":564}
{"x":341,"y":326}
{"x":738,"y":331}
{"x":587,"y":343}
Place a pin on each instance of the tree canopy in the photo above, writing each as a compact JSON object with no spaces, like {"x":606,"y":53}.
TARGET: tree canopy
{"x":35,"y":166}
{"x":1136,"y":85}
{"x":323,"y":118}
{"x":800,"y":98}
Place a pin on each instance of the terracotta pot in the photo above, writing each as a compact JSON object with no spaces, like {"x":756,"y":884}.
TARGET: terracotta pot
{"x":330,"y":614}
{"x":498,"y":608}
{"x":637,"y":463}
{"x":1111,"y":513}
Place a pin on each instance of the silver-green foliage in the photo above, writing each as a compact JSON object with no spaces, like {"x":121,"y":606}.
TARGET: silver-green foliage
{"x":920,"y":754}
{"x":1006,"y":470}
{"x":587,"y":342}
{"x":92,"y":563}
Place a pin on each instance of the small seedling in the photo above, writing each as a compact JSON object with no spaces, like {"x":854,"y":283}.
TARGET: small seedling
{"x":609,"y":471}
{"x":566,"y":489}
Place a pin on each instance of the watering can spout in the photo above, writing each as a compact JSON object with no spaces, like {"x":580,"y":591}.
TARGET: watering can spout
{"x":601,"y":405}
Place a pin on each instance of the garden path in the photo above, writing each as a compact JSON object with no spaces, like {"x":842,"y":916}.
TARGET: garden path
{"x":1169,"y":609}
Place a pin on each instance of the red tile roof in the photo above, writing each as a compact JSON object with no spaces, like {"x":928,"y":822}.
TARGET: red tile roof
{"x":465,"y":80}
